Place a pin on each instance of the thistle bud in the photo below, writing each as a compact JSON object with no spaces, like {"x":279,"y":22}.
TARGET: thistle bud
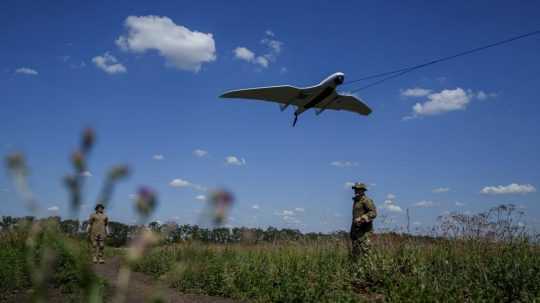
{"x":222,"y":201}
{"x":118,"y":172}
{"x":16,"y":163}
{"x":146,"y":202}
{"x":88,"y":139}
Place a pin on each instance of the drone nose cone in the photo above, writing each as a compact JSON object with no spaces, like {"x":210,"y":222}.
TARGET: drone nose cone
{"x":339,"y":79}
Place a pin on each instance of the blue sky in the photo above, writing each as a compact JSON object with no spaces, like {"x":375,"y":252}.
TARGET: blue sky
{"x":466,"y":129}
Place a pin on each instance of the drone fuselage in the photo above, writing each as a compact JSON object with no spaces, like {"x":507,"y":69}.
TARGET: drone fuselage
{"x":325,"y":95}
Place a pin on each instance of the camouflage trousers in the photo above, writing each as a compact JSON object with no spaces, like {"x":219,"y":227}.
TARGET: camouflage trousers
{"x":361,"y":246}
{"x":98,"y":246}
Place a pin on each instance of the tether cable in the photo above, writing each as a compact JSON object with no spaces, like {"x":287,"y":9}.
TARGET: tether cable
{"x":399,"y":72}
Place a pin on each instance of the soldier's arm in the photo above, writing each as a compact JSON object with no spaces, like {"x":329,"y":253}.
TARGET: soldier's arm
{"x":371,"y":210}
{"x":90,"y":222}
{"x":107,"y":225}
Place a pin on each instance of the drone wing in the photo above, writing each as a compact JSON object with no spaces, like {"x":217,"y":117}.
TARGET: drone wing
{"x":348,"y":103}
{"x":285,"y":94}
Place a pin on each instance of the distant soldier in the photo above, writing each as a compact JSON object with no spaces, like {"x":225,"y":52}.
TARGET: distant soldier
{"x":97,"y":229}
{"x":363,"y":214}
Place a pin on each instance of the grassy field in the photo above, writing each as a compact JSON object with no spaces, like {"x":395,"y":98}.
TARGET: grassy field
{"x":33,"y":265}
{"x":401,"y":269}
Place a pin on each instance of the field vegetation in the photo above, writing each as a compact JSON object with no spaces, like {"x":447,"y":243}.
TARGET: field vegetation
{"x":476,"y":258}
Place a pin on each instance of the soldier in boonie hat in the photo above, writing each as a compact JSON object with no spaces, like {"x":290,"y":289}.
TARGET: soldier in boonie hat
{"x":363,"y":214}
{"x":98,"y":230}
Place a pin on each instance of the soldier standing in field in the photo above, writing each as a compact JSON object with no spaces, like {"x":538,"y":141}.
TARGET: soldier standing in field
{"x":97,"y":230}
{"x":363,"y":214}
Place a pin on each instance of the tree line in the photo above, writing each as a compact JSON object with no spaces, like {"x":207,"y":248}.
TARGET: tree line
{"x":120,"y":234}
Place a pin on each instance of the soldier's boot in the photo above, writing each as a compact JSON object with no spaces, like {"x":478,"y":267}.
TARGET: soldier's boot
{"x":101,"y":252}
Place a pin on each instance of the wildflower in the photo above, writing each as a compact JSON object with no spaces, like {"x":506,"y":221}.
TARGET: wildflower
{"x":118,"y":172}
{"x":16,"y":163}
{"x":146,"y":202}
{"x":221,"y":200}
{"x":88,"y":139}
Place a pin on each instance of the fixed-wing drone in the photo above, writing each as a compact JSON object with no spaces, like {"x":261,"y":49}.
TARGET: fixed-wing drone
{"x":322,"y":96}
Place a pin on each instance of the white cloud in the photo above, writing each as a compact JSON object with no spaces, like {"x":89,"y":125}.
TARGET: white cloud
{"x":441,"y":190}
{"x":86,"y":173}
{"x":392,"y":207}
{"x":262,"y":61}
{"x":344,"y":163}
{"x":158,"y":157}
{"x":288,"y":216}
{"x":233,"y":160}
{"x":181,"y":183}
{"x":415,"y":92}
{"x":53,"y":208}
{"x":288,"y":212}
{"x":244,"y":53}
{"x":201,"y":197}
{"x":425,"y":204}
{"x":417,"y":223}
{"x":459,"y":203}
{"x":26,"y":71}
{"x":200,"y":153}
{"x":445,"y":101}
{"x":255,"y":206}
{"x":109,"y":64}
{"x":181,"y":47}
{"x":285,"y":213}
{"x":273,"y":44}
{"x":299,"y":209}
{"x":274,"y":48}
{"x":513,"y":188}
{"x":481,"y":95}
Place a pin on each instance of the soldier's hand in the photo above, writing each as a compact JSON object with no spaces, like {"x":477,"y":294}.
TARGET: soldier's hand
{"x":362,"y":219}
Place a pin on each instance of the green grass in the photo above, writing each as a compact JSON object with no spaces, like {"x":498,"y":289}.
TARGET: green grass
{"x":262,"y":273}
{"x":68,"y":271}
{"x":399,"y":270}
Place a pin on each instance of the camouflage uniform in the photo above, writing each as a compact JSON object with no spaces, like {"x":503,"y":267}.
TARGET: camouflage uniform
{"x":363,"y":214}
{"x":98,"y":231}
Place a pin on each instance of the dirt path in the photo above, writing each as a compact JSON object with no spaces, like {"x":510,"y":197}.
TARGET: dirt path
{"x":143,"y":288}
